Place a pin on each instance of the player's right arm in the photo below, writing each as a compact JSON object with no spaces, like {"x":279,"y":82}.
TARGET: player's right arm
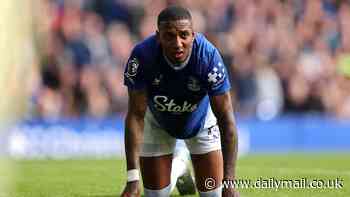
{"x":134,"y":79}
{"x":134,"y":124}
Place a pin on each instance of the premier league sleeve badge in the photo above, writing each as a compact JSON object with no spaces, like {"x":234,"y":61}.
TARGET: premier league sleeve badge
{"x":132,"y":69}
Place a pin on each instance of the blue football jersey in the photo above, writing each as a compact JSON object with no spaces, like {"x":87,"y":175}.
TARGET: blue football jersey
{"x":178,"y":99}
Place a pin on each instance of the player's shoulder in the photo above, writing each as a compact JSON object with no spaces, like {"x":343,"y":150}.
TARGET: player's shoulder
{"x":205,"y":51}
{"x":203,"y":45}
{"x":147,"y":48}
{"x":146,"y":53}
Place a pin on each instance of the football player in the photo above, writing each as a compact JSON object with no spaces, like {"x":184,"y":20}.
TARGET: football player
{"x":178,"y":89}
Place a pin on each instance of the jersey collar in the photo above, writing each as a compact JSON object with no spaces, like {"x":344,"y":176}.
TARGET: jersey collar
{"x":179,"y":66}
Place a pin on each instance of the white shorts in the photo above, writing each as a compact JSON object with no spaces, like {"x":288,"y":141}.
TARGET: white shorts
{"x":157,"y":142}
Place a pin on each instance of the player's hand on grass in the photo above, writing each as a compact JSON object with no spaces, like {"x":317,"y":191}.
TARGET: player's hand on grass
{"x":230,"y":192}
{"x":132,"y":189}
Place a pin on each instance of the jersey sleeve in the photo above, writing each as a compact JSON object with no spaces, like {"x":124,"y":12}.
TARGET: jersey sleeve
{"x":217,"y":78}
{"x":134,"y":73}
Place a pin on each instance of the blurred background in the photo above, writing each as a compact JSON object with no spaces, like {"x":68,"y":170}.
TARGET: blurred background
{"x":63,"y":98}
{"x":289,"y":62}
{"x":284,"y":56}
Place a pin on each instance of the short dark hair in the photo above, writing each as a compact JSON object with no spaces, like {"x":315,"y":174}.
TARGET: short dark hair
{"x":172,"y":13}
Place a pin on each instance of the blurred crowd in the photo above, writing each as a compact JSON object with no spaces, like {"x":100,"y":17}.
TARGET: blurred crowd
{"x":284,"y":56}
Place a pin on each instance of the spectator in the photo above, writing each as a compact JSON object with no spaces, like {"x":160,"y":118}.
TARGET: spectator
{"x":285,"y":55}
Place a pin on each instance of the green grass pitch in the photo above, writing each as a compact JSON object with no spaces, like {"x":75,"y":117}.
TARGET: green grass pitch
{"x":106,"y":178}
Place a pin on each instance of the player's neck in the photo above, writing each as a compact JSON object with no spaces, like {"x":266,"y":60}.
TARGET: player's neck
{"x":181,"y":65}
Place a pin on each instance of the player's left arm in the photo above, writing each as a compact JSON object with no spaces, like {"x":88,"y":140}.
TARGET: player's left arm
{"x":221,"y":102}
{"x":223,"y":110}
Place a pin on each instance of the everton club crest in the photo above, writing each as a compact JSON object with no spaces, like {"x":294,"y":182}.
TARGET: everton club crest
{"x":193,"y":84}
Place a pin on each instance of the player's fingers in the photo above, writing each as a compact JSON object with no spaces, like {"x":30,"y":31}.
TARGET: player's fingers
{"x":230,"y":193}
{"x":133,"y":195}
{"x":128,"y":194}
{"x":125,"y":194}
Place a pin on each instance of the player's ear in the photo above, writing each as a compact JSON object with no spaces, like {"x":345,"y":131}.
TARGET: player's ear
{"x":193,"y":32}
{"x":157,"y":35}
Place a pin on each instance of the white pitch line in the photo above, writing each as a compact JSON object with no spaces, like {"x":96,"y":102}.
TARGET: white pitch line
{"x":301,"y":170}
